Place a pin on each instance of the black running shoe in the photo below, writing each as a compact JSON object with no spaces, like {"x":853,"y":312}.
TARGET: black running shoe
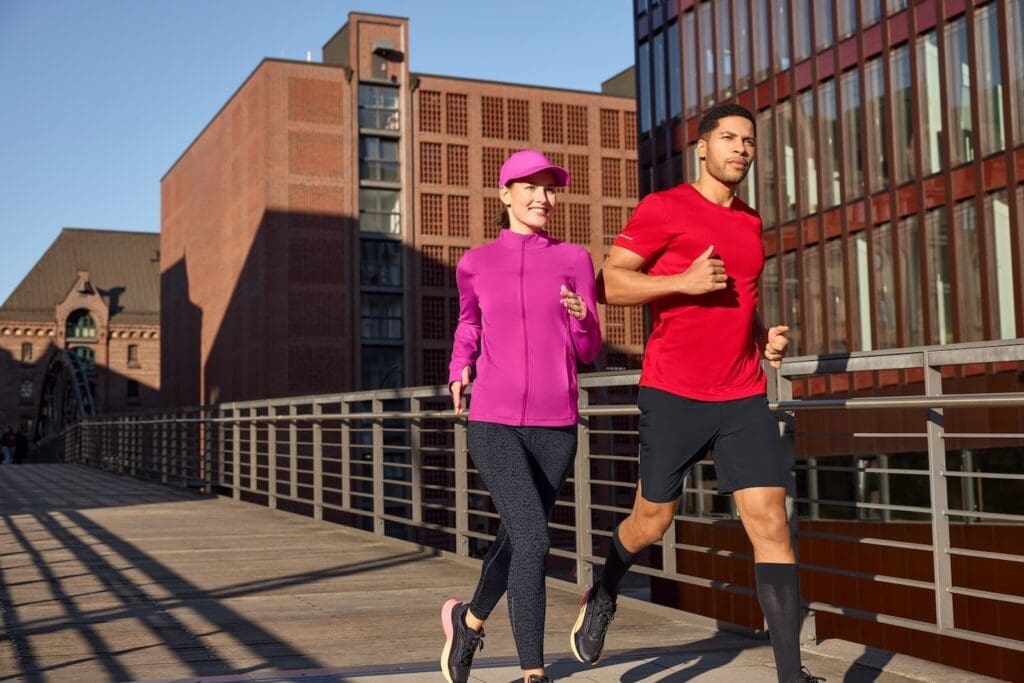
{"x":461,"y":642}
{"x":587,"y":638}
{"x":806,"y":677}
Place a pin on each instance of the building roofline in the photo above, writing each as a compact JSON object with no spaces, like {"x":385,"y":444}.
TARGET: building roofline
{"x":524,"y":85}
{"x":235,"y":94}
{"x":112,"y":231}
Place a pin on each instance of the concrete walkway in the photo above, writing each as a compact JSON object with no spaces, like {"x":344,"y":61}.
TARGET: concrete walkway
{"x":103,"y":578}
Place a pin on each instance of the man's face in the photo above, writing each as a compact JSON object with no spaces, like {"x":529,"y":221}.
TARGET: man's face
{"x":728,"y":150}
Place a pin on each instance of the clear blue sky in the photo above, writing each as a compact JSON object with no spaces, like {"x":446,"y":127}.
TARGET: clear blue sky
{"x":101,"y":96}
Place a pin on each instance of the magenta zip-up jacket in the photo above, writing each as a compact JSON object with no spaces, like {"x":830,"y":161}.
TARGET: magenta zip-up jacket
{"x":518,"y":340}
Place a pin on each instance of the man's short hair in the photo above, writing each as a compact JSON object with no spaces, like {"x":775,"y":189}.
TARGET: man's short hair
{"x":709,"y":121}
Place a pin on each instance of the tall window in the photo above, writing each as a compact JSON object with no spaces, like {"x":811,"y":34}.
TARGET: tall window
{"x":877,"y":132}
{"x":724,"y":36}
{"x":931,"y":104}
{"x":382,"y":367}
{"x":380,"y":263}
{"x":25,"y":392}
{"x":643,"y":78}
{"x":870,"y":12}
{"x":690,"y":58}
{"x":939,"y":303}
{"x":958,"y":83}
{"x":853,"y":136}
{"x":801,"y":30}
{"x":1015,"y":30}
{"x":847,"y":18}
{"x":660,"y":99}
{"x":780,"y":35}
{"x":787,"y":162}
{"x":860,"y":293}
{"x":828,"y":143}
{"x":26,"y":352}
{"x":910,"y":270}
{"x":894,"y":6}
{"x":1000,"y":264}
{"x":766,"y":168}
{"x":742,"y":24}
{"x":675,"y":79}
{"x":822,"y":25}
{"x":885,"y":286}
{"x":131,"y":392}
{"x":381,"y":317}
{"x":990,"y":88}
{"x":80,"y":325}
{"x":762,"y":56}
{"x":814,"y":333}
{"x":378,"y":159}
{"x":903,"y":149}
{"x":88,"y":357}
{"x":378,"y":107}
{"x":835,"y":298}
{"x":707,"y":62}
{"x":806,"y":126}
{"x":379,"y":211}
{"x":133,"y":355}
{"x":968,"y":269}
{"x":769,"y":291}
{"x":791,"y":294}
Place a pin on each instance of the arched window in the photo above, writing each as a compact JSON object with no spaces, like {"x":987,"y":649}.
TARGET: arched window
{"x":87,"y":356}
{"x":81,"y":325}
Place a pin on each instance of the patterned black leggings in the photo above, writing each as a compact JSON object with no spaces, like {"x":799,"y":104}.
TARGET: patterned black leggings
{"x":523,"y":468}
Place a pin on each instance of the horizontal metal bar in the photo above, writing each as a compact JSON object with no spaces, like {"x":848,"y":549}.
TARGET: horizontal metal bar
{"x":985,"y":475}
{"x":865,"y":540}
{"x":971,"y":552}
{"x":988,"y":595}
{"x":870,"y":470}
{"x":865,"y":506}
{"x":984,"y":515}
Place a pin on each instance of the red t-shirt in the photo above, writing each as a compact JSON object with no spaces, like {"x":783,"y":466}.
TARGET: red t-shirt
{"x":701,"y":347}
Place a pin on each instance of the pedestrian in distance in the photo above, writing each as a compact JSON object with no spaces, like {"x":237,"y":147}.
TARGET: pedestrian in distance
{"x":694,"y":253}
{"x":527,"y":315}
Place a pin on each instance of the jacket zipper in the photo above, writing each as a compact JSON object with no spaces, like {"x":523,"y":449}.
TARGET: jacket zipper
{"x":526,"y":339}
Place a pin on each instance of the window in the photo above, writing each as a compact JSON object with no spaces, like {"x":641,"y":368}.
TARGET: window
{"x":380,"y":263}
{"x":131,"y":392}
{"x":931,"y":104}
{"x":939,"y":303}
{"x":610,"y":133}
{"x":885,"y":286}
{"x":577,"y":125}
{"x":724,"y":35}
{"x":828,"y":143}
{"x":801,"y":30}
{"x":1000,"y":264}
{"x":1015,"y":32}
{"x":518,"y":120}
{"x":853,"y":136}
{"x":381,"y":316}
{"x":903,"y":152}
{"x":762,"y":57}
{"x":787,"y":162}
{"x":611,"y":178}
{"x":806,"y":127}
{"x":492,"y":120}
{"x":990,"y":90}
{"x":579,"y":169}
{"x":693,"y":163}
{"x":910,"y":270}
{"x":611,"y":223}
{"x":835,"y":296}
{"x":133,"y":356}
{"x":643,"y":79}
{"x":770,"y":293}
{"x":458,"y":216}
{"x":87,"y":356}
{"x":870,"y":12}
{"x":379,"y":211}
{"x":707,"y":61}
{"x":958,"y":82}
{"x":430,"y":162}
{"x":25,"y":392}
{"x":968,"y":269}
{"x":430,"y":111}
{"x":877,"y":131}
{"x":26,"y":352}
{"x":675,"y":79}
{"x":814,"y":341}
{"x":791,"y":297}
{"x":455,"y":114}
{"x":780,"y":35}
{"x":458,"y":165}
{"x":378,"y":107}
{"x":766,"y":169}
{"x":552,"y":123}
{"x":378,"y":159}
{"x":660,"y":99}
{"x":690,"y":58}
{"x":847,"y":18}
{"x":894,"y":6}
{"x":432,"y":212}
{"x":382,"y":367}
{"x":80,"y":325}
{"x":822,"y":25}
{"x":742,"y":25}
{"x":860,"y":293}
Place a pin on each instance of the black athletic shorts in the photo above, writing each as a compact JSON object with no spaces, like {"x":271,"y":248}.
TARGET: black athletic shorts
{"x":676,"y":432}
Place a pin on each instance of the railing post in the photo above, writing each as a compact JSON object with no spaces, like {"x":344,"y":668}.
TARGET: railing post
{"x":416,"y":465}
{"x":254,"y":447}
{"x":318,"y":463}
{"x":164,"y":446}
{"x":461,"y":489}
{"x":236,"y":453}
{"x":377,"y":406}
{"x":293,"y":451}
{"x":272,"y":457}
{"x":939,"y":499}
{"x":346,"y":456}
{"x":581,"y":496}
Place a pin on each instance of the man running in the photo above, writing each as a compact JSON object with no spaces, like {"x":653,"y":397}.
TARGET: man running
{"x":694,"y":253}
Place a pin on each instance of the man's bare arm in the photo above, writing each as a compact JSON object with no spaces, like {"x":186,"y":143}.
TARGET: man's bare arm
{"x":620,"y":281}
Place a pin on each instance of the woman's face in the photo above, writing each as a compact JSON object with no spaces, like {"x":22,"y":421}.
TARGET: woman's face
{"x":530,"y":201}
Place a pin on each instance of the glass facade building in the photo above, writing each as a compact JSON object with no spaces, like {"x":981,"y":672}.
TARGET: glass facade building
{"x":890,"y":155}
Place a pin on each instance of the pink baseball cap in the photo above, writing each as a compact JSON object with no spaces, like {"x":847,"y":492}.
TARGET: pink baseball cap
{"x":526,"y":163}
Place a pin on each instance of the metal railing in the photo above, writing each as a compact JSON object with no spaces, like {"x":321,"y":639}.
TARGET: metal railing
{"x":395,"y":462}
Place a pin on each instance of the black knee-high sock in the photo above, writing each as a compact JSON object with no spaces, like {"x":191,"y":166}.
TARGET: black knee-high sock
{"x":778,"y":591}
{"x":615,"y":567}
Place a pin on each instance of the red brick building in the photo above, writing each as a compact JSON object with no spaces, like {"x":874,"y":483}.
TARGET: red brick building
{"x":95,"y":292}
{"x":311,"y":231}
